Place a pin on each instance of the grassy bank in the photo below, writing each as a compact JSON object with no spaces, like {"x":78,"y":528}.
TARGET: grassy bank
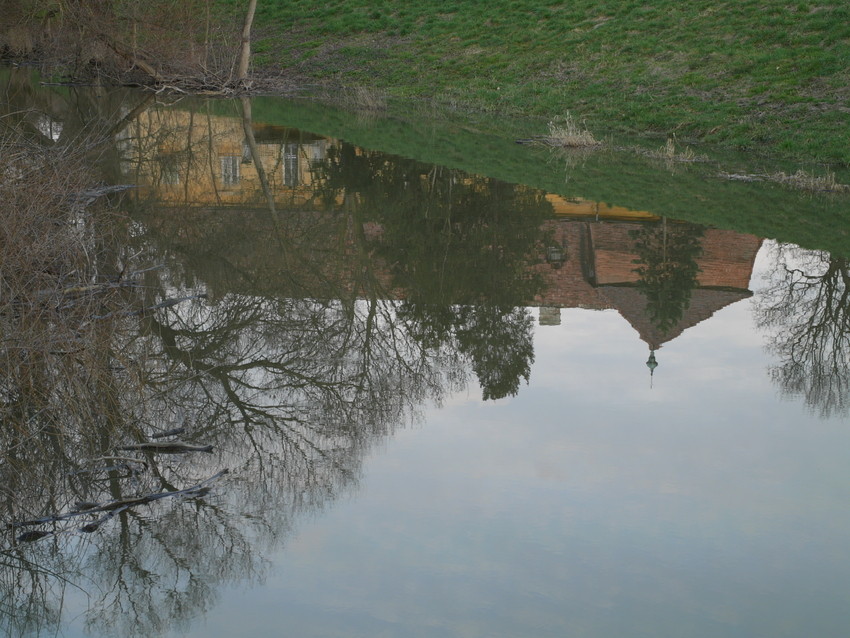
{"x":691,"y":192}
{"x":764,"y":75}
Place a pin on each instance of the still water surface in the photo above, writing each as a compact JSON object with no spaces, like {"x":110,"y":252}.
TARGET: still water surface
{"x":449,"y":405}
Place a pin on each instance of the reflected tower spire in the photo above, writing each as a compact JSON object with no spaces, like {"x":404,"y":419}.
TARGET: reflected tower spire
{"x":651,"y":363}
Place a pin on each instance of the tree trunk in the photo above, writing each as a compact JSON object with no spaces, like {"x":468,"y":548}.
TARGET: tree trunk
{"x":245,"y":53}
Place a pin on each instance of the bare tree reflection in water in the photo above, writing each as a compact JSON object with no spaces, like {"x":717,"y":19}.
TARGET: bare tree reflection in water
{"x":806,"y":309}
{"x":60,"y":267}
{"x":290,"y":393}
{"x":295,"y":364}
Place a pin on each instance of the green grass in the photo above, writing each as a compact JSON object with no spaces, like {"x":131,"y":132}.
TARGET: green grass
{"x":691,"y":191}
{"x":753,"y":74}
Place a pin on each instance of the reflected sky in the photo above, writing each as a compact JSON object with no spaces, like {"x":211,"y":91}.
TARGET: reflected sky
{"x":431,"y":390}
{"x":587,"y":505}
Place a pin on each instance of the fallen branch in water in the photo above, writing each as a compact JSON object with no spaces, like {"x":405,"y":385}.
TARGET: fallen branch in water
{"x":94,"y":525}
{"x":166,"y":447}
{"x":111,"y":508}
{"x":123,"y":463}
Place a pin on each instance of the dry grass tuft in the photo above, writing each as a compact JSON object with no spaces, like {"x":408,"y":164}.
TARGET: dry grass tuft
{"x":806,"y":181}
{"x":672,"y":153}
{"x":669,"y":152}
{"x":801,"y":180}
{"x":567,"y":132}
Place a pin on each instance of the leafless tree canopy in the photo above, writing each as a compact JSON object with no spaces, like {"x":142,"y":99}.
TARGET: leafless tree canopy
{"x":109,"y":340}
{"x":177,"y":44}
{"x":806,"y":309}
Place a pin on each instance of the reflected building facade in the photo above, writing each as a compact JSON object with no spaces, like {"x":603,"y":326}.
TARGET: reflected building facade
{"x":375,"y":285}
{"x":591,"y":255}
{"x":601,"y":271}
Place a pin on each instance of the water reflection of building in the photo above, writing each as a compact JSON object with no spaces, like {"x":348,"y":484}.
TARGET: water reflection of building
{"x":599,"y":272}
{"x":202,"y":160}
{"x":195,"y":159}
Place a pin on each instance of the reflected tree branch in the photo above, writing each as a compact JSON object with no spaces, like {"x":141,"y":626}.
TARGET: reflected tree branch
{"x":805,"y":310}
